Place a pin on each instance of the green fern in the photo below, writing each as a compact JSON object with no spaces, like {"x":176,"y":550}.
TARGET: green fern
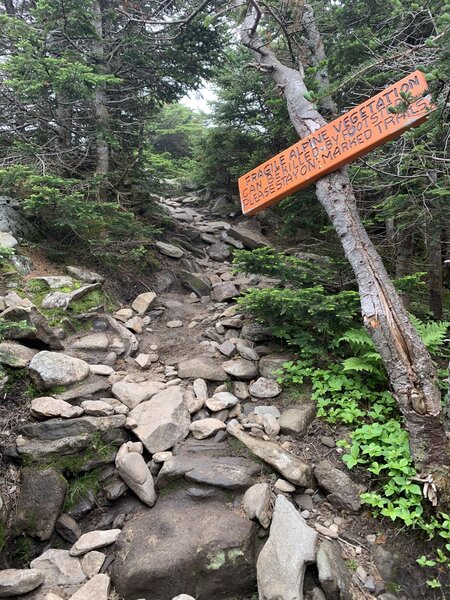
{"x":357,"y":338}
{"x":432,"y":333}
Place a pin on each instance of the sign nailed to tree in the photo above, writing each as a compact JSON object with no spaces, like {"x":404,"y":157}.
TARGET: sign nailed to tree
{"x":351,"y":135}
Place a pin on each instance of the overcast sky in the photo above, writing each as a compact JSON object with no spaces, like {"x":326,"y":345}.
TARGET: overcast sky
{"x":199,"y":100}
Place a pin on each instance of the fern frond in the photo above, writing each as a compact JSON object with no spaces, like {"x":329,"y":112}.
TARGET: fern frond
{"x":357,"y":337}
{"x":432,"y":333}
{"x":359,"y":363}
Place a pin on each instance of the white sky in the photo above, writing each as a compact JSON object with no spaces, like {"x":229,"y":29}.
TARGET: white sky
{"x":199,"y":100}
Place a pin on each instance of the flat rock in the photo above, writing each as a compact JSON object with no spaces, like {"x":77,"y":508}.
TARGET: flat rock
{"x":146,"y":360}
{"x":297,"y":420}
{"x":269,"y":364}
{"x":267,"y":410}
{"x":96,"y":588}
{"x":342,"y":491}
{"x":97,"y":408}
{"x":201,"y":367}
{"x":256,"y":332}
{"x":64,"y":299}
{"x":104,"y":370}
{"x":195,"y":283}
{"x":219,"y":251}
{"x":169,"y":250}
{"x":240,"y":368}
{"x":204,"y":428}
{"x":162,"y":421}
{"x":143,"y":302}
{"x":95,"y":342}
{"x":132,"y":394}
{"x":291,"y":467}
{"x":227,"y":348}
{"x":123,"y":314}
{"x":14,"y":582}
{"x":224,"y":291}
{"x":68,"y":528}
{"x":292,"y":545}
{"x":42,"y":493}
{"x":50,"y":369}
{"x":221,"y":401}
{"x":281,"y":485}
{"x":174,"y":324}
{"x":93,"y":540}
{"x":59,"y":568}
{"x":256,"y":503}
{"x":136,"y":324}
{"x":265,"y":388}
{"x":48,"y":407}
{"x":187,"y":536}
{"x":84,"y":274}
{"x":250,"y":238}
{"x":13,"y":354}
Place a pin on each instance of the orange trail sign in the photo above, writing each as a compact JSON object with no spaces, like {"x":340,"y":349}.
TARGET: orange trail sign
{"x":351,"y":135}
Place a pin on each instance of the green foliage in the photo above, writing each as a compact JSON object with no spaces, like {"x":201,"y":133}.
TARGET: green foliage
{"x":6,"y":253}
{"x":307,"y":318}
{"x":288,"y":269}
{"x":80,"y":487}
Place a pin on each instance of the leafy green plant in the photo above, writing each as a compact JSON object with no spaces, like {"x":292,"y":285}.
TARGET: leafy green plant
{"x":79,"y":487}
{"x":6,"y":253}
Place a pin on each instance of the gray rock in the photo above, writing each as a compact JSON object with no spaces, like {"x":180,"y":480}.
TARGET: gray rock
{"x":247,"y":352}
{"x":136,"y":324}
{"x":162,"y":421}
{"x":132,"y":468}
{"x":240,"y":389}
{"x":94,"y":341}
{"x":59,"y":568}
{"x":297,"y":420}
{"x":68,"y":528}
{"x":265,"y":388}
{"x":200,"y":389}
{"x":14,"y":582}
{"x":224,"y":291}
{"x":132,"y":394}
{"x":49,"y":369}
{"x":93,"y":540}
{"x":273,"y":362}
{"x":46,"y":407}
{"x":342,"y":491}
{"x":97,"y":408}
{"x":85,"y":275}
{"x":281,"y":485}
{"x":7,"y":240}
{"x":96,"y":588}
{"x":221,"y":401}
{"x":241,"y":368}
{"x":219,"y":251}
{"x":291,"y":467}
{"x":201,"y":367}
{"x":55,"y":282}
{"x":251,"y":238}
{"x":92,"y":562}
{"x":169,"y":250}
{"x":334,"y":577}
{"x":64,"y":299}
{"x":143,"y":302}
{"x":187,"y":536}
{"x":123,"y":314}
{"x":104,"y":370}
{"x":256,"y":503}
{"x":267,"y":410}
{"x":195,"y":283}
{"x":145,"y":360}
{"x":227,"y":348}
{"x":256,"y":333}
{"x":183,"y":597}
{"x":16,"y":355}
{"x":38,"y":327}
{"x":40,"y":501}
{"x":270,"y":424}
{"x":291,"y":546}
{"x":205,"y":428}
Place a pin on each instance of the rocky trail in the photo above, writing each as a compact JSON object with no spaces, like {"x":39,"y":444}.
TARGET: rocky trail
{"x":160,"y":459}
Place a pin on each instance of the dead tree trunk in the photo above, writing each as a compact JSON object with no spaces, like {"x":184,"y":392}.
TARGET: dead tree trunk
{"x":408,"y":363}
{"x":100,"y":99}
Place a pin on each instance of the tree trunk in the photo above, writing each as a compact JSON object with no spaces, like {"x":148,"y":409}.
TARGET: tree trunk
{"x":404,"y":259}
{"x":100,"y":99}
{"x":408,"y":363}
{"x":434,"y":248}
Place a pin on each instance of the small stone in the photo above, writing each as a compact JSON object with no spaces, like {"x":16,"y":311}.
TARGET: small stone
{"x":270,"y":424}
{"x":169,"y":250}
{"x":95,"y":341}
{"x":240,"y":368}
{"x":123,"y":315}
{"x":200,"y":389}
{"x":371,"y":538}
{"x":325,"y":531}
{"x":281,"y":485}
{"x":240,"y":389}
{"x":256,"y":503}
{"x":92,"y":562}
{"x":93,"y":540}
{"x":145,"y":360}
{"x":7,"y":240}
{"x":136,"y":324}
{"x":160,"y":457}
{"x":174,"y":324}
{"x":68,"y":528}
{"x":297,"y":420}
{"x":96,"y":588}
{"x":221,"y":401}
{"x":265,"y":388}
{"x":132,"y":468}
{"x":205,"y":428}
{"x":97,"y":408}
{"x":305,"y":514}
{"x":227,"y":348}
{"x":267,"y":410}
{"x":201,"y":367}
{"x":224,"y":291}
{"x":246,"y":352}
{"x":104,"y":370}
{"x":183,"y":597}
{"x":143,"y":302}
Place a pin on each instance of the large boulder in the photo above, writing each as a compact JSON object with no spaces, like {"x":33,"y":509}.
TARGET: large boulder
{"x":342,"y":491}
{"x":195,"y":283}
{"x":59,"y":568}
{"x":162,"y":421}
{"x":291,"y":546}
{"x":14,"y":582}
{"x":182,"y":546}
{"x":251,"y":238}
{"x":37,"y":328}
{"x":41,"y":498}
{"x":50,"y":369}
{"x":131,"y":394}
{"x":201,"y":367}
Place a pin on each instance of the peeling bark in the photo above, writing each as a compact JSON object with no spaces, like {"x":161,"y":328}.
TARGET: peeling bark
{"x":100,"y":99}
{"x":408,"y":363}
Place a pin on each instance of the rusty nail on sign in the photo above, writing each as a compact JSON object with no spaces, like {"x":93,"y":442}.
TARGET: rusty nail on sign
{"x":351,"y":135}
